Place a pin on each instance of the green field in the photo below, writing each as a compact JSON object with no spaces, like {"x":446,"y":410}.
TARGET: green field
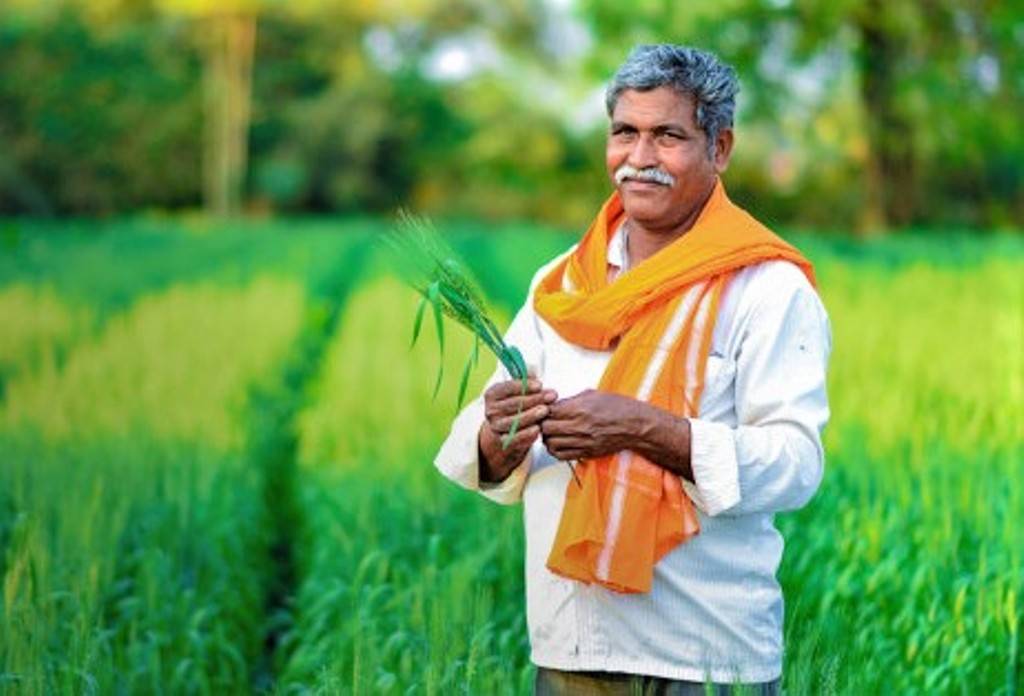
{"x":215,"y":469}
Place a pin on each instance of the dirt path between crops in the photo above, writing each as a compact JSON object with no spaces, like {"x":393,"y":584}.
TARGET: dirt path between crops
{"x":273,"y":445}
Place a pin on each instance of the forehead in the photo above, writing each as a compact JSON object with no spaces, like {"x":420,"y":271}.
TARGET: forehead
{"x":655,"y":106}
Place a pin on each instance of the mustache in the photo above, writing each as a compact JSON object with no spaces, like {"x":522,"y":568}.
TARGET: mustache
{"x":648,"y":174}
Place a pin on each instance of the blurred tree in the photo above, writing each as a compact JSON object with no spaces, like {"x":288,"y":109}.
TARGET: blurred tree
{"x":227,"y":36}
{"x":96,"y":115}
{"x":864,"y":112}
{"x":911,"y":61}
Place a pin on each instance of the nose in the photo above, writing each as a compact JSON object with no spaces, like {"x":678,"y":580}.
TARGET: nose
{"x":643,"y":153}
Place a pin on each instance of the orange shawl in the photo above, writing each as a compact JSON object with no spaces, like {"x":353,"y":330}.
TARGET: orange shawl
{"x":628,"y":513}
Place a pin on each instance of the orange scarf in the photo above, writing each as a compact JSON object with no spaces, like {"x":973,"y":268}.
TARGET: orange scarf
{"x":628,"y":512}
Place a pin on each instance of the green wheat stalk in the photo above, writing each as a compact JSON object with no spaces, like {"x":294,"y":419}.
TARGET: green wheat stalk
{"x":426,"y":263}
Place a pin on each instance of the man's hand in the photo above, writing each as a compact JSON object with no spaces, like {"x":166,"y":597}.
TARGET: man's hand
{"x":591,"y":424}
{"x":502,"y":402}
{"x":594,"y":424}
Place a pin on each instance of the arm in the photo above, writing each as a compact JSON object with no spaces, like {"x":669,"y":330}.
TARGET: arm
{"x":595,"y":423}
{"x":773,"y":459}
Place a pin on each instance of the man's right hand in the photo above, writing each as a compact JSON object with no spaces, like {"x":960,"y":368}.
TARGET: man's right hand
{"x":502,"y":402}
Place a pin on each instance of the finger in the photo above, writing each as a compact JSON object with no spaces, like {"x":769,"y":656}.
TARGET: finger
{"x":577,"y":402}
{"x":562,"y":443}
{"x":563,"y":409}
{"x":516,"y":404}
{"x":526,"y":436}
{"x":512,"y":387}
{"x":572,"y":455}
{"x":553,"y":426}
{"x":527,"y":418}
{"x":512,"y":405}
{"x":523,"y":440}
{"x":567,"y":454}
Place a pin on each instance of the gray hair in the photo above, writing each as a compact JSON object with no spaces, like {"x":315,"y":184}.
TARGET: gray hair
{"x":700,"y":74}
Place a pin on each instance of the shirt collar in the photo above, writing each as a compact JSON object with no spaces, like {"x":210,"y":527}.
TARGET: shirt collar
{"x":618,"y":255}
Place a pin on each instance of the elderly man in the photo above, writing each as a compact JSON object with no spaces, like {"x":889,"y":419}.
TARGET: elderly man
{"x":678,"y":355}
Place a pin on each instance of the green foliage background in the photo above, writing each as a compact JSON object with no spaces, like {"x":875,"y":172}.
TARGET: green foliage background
{"x":854,"y":114}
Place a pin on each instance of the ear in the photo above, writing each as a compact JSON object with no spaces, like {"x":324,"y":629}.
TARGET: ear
{"x":723,"y":149}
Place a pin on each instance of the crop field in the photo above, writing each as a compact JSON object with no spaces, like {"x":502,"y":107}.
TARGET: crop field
{"x":216,"y":468}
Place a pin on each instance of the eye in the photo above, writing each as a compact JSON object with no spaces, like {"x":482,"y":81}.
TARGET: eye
{"x":624,"y":134}
{"x":670,"y":138}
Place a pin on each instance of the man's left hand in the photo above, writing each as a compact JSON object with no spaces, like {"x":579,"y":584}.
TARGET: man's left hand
{"x":591,"y":424}
{"x":595,"y":423}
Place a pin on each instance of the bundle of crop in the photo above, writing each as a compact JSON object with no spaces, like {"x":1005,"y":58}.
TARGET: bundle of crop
{"x":431,"y":267}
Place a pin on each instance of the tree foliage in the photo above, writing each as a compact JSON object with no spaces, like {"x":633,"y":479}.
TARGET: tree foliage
{"x":852,"y":113}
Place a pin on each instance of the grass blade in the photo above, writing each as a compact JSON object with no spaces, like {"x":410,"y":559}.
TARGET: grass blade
{"x":437,"y":383}
{"x":520,"y":372}
{"x":506,"y":439}
{"x":471,"y":362}
{"x":434,"y":294}
{"x":418,"y":323}
{"x":463,"y":383}
{"x":427,"y":263}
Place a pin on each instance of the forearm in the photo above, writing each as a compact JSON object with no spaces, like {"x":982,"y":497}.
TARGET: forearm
{"x":663,"y":439}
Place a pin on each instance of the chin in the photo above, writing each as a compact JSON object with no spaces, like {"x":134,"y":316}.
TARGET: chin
{"x":642,"y":211}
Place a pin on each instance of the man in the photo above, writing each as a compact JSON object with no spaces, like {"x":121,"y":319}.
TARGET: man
{"x":678,"y":356}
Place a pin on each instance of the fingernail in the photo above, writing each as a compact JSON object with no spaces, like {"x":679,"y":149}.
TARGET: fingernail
{"x":551,"y":395}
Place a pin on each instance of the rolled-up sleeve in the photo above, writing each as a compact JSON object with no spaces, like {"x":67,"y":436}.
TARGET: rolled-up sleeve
{"x":773,"y":459}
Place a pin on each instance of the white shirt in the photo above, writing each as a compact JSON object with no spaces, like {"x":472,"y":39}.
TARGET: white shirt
{"x":715,"y":610}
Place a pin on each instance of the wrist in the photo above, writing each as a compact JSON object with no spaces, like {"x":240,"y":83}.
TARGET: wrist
{"x":489,"y":452}
{"x":665,"y":440}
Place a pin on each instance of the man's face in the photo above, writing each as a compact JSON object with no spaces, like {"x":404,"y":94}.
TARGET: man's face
{"x":658,"y":129}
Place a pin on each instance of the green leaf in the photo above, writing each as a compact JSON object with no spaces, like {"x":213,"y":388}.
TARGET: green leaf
{"x":437,"y":384}
{"x":434,"y":294}
{"x":418,"y":324}
{"x":506,"y":439}
{"x":464,"y":382}
{"x":471,"y":362}
{"x":519,"y":372}
{"x":509,"y":364}
{"x":517,"y":359}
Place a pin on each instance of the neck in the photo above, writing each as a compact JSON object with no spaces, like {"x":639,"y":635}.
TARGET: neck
{"x":645,"y":241}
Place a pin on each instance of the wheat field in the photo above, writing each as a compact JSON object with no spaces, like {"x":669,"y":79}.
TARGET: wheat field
{"x":215,"y":469}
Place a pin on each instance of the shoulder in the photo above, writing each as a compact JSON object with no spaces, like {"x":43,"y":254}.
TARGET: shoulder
{"x":773,"y":294}
{"x":778,"y":277}
{"x":774,"y":282}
